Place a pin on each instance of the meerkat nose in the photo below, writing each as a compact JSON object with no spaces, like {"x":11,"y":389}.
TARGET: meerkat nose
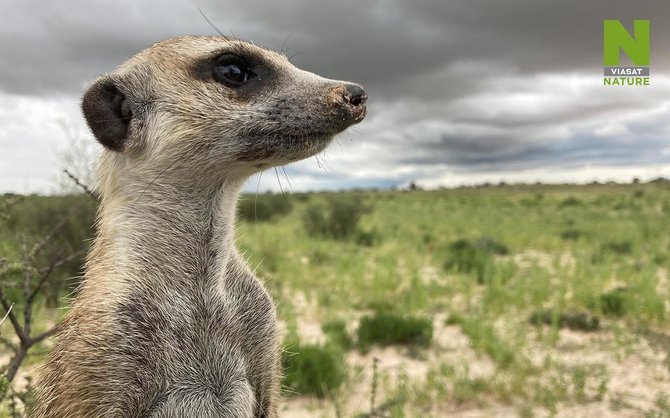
{"x":355,"y":95}
{"x":353,"y":101}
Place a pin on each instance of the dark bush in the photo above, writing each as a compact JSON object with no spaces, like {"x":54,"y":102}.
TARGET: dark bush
{"x":367,"y":238}
{"x":571,"y":201}
{"x":580,"y":321}
{"x":336,"y":331}
{"x":571,"y":234}
{"x":476,"y":258}
{"x":492,"y":246}
{"x":337,"y":219}
{"x":614,"y":302}
{"x":263,"y":208}
{"x":311,"y":369}
{"x":314,"y":220}
{"x":386,"y":328}
{"x":618,"y":247}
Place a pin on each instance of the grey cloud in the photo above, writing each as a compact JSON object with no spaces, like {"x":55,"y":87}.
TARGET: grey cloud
{"x":508,"y":152}
{"x":471,"y":85}
{"x":384,"y":44}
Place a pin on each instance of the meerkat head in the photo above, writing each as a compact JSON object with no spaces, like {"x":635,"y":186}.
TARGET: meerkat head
{"x":216,"y":106}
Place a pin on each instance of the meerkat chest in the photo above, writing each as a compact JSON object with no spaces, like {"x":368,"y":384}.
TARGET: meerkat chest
{"x":201,"y":337}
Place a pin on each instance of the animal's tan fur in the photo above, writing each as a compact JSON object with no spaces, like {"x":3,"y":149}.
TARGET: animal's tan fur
{"x":169,"y":320}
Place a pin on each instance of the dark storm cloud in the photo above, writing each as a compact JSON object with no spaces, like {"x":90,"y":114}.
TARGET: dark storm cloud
{"x":484,"y":155}
{"x":470,"y":84}
{"x":57,"y":46}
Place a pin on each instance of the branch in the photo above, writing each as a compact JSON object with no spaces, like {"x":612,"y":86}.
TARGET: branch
{"x":61,"y":261}
{"x":27,"y":307}
{"x":45,"y":334}
{"x":45,"y":272}
{"x":40,"y":245}
{"x":12,"y":318}
{"x":6,"y":315}
{"x":81,"y":185}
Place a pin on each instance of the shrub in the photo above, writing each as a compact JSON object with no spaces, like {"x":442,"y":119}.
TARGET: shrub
{"x":492,"y":246}
{"x":314,"y":220}
{"x":263,"y":208}
{"x":312,"y":369}
{"x":367,"y":238}
{"x":468,"y":257}
{"x":571,"y":201}
{"x":339,"y":218}
{"x":571,"y":234}
{"x":386,"y":328}
{"x":618,"y":247}
{"x":580,"y":321}
{"x":614,"y":302}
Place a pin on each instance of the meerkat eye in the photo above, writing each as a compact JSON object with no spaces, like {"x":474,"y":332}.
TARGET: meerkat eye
{"x":232,"y":71}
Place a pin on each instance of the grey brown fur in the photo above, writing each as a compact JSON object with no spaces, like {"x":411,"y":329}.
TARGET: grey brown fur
{"x":170,"y":321}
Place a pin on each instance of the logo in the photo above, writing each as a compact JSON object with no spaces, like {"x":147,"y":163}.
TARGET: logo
{"x":636,"y":47}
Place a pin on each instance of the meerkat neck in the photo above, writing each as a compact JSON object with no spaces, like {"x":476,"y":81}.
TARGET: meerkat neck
{"x":167,"y":235}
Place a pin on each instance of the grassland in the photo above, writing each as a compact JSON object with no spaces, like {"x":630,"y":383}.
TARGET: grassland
{"x":489,"y":301}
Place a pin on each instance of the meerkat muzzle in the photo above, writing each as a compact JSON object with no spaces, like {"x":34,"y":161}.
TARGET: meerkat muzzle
{"x":350,"y":100}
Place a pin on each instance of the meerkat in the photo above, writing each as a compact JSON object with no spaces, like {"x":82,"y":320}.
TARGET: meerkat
{"x":169,"y":321}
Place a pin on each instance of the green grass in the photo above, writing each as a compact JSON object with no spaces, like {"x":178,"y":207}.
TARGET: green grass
{"x":491,"y":257}
{"x":485,"y":339}
{"x":387,"y":328}
{"x":311,"y":369}
{"x":336,"y":331}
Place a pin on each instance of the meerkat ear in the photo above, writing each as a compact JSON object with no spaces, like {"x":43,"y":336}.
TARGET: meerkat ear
{"x":107,"y":113}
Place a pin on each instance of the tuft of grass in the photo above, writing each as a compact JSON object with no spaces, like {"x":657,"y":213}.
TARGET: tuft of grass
{"x":4,"y":383}
{"x":580,"y":321}
{"x":468,"y":388}
{"x":474,"y":257}
{"x":311,"y":369}
{"x":614,"y":302}
{"x":336,"y":331}
{"x":484,"y":338}
{"x":662,"y":410}
{"x":386,"y":328}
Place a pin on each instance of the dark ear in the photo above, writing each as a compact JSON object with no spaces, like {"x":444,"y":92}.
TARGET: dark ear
{"x":107,"y":113}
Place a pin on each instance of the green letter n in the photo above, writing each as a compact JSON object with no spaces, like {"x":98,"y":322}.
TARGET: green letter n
{"x":617,"y":37}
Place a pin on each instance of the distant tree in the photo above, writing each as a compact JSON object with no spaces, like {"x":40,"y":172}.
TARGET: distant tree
{"x":413,"y":186}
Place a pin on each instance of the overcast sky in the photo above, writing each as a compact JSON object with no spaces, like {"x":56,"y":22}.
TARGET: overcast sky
{"x":461,"y":92}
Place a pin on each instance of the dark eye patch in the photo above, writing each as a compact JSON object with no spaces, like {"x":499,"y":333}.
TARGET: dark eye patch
{"x":244,"y":72}
{"x":232,"y":70}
